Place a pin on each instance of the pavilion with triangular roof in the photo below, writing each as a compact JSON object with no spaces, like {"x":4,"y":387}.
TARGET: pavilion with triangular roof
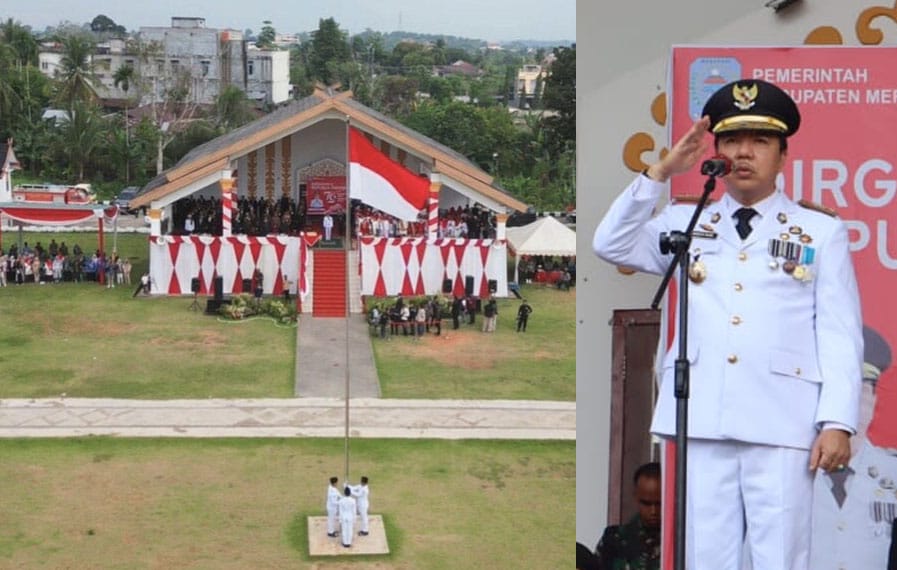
{"x":280,"y":157}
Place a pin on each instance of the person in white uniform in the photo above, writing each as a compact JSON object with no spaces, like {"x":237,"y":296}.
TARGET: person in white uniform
{"x":328,"y":226}
{"x":854,"y":509}
{"x":775,"y":343}
{"x":332,"y":505}
{"x":362,"y":495}
{"x":347,"y":507}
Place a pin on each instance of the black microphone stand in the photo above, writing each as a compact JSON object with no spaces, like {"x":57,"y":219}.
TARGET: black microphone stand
{"x":677,"y":243}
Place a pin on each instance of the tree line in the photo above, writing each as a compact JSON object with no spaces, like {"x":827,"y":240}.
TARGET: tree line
{"x":531,"y":153}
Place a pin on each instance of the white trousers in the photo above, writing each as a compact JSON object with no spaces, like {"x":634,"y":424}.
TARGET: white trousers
{"x":346,"y":528}
{"x":331,"y":520}
{"x":747,"y":496}
{"x":363,"y":513}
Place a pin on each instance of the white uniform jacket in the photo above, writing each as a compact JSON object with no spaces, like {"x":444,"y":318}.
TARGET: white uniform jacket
{"x":773,"y":357}
{"x":333,"y":497}
{"x":361,"y":493}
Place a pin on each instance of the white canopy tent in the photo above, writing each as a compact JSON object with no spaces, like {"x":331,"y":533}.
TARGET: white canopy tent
{"x":545,"y":236}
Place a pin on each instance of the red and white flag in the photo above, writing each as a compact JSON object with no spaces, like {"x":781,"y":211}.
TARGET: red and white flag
{"x":382,"y":183}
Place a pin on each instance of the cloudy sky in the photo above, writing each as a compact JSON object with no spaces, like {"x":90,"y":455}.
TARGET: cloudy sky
{"x":499,"y":20}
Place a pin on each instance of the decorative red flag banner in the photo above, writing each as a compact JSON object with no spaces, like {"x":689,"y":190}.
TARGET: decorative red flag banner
{"x":326,"y":195}
{"x":382,"y":183}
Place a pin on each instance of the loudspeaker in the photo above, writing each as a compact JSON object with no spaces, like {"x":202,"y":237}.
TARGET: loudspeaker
{"x":247,"y":285}
{"x":213,"y":305}
{"x":493,"y":285}
{"x":447,"y":286}
{"x":468,"y":285}
{"x":219,"y":288}
{"x":194,"y":285}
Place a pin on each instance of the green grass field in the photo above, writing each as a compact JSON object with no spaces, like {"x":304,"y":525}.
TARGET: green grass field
{"x":221,"y":504}
{"x":104,"y":503}
{"x":84,"y":340}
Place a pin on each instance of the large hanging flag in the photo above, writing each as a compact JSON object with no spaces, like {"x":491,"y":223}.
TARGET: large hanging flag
{"x":382,"y":183}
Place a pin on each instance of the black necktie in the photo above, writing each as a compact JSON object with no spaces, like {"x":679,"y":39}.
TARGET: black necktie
{"x":744,"y":215}
{"x":839,"y":490}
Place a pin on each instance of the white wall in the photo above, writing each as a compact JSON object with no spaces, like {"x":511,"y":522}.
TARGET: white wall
{"x":621,"y":66}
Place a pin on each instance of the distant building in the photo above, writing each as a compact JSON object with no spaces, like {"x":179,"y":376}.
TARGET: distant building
{"x":530,"y":80}
{"x":185,"y":55}
{"x":459,"y":67}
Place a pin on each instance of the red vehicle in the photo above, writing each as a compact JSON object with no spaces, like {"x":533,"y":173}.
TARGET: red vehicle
{"x":53,"y":194}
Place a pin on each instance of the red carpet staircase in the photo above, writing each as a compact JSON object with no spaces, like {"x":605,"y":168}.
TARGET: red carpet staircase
{"x":329,"y":294}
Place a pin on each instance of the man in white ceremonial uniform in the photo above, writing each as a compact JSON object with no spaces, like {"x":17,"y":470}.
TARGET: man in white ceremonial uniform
{"x":362,"y":495}
{"x":775,"y":344}
{"x":332,"y":505}
{"x":328,"y":226}
{"x":347,"y":507}
{"x":854,"y":508}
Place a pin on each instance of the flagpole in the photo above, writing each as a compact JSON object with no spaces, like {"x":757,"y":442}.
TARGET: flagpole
{"x":347,"y":238}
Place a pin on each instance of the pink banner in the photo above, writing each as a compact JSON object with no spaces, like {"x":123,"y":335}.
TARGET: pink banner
{"x":843,"y":157}
{"x":326,"y":195}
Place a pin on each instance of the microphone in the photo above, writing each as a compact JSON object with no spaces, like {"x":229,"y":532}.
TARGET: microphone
{"x":717,"y":165}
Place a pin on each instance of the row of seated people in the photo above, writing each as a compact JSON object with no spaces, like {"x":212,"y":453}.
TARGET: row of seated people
{"x":30,"y":268}
{"x":560,"y":271}
{"x":256,"y":216}
{"x":251,"y":216}
{"x":414,"y":318}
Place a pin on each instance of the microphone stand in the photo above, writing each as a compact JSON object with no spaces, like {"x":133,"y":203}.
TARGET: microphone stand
{"x":677,"y":243}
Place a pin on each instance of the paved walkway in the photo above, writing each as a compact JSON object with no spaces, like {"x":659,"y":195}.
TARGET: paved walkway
{"x":299,"y":417}
{"x":322,"y":355}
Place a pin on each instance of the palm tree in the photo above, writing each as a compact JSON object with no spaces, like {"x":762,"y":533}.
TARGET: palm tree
{"x":20,"y":39}
{"x":79,"y":137}
{"x":123,"y":77}
{"x":76,"y":76}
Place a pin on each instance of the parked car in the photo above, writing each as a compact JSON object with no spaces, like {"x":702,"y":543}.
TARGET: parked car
{"x":124,"y":198}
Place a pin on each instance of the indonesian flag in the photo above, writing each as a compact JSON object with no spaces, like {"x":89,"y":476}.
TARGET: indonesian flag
{"x":383,"y":183}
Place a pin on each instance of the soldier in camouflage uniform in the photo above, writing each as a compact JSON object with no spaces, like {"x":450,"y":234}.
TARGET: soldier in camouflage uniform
{"x":636,"y":544}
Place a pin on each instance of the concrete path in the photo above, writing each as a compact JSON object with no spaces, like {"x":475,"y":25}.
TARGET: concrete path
{"x":322,"y":355}
{"x":300,"y":417}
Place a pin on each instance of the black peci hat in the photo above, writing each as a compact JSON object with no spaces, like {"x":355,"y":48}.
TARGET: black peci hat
{"x":752,"y":105}
{"x":876,"y":354}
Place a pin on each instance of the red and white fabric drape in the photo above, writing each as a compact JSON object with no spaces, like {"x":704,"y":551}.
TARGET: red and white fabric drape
{"x":176,"y":260}
{"x":420,"y":266}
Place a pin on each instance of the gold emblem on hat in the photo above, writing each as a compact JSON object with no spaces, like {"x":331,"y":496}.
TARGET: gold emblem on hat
{"x":697,"y":271}
{"x":745,"y":97}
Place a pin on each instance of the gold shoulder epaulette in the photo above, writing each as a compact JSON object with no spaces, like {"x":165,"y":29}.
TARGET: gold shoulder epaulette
{"x":817,"y":207}
{"x":691,"y":199}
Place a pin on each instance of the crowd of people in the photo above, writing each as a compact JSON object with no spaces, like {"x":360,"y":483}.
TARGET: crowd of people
{"x":251,"y":216}
{"x":558,"y":271}
{"x":57,"y":264}
{"x":422,"y":316}
{"x":264,"y":216}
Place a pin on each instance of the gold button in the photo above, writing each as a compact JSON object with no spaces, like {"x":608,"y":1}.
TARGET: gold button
{"x":736,"y":320}
{"x":797,"y":371}
{"x":738,"y":287}
{"x":742,"y":256}
{"x":732,"y":359}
